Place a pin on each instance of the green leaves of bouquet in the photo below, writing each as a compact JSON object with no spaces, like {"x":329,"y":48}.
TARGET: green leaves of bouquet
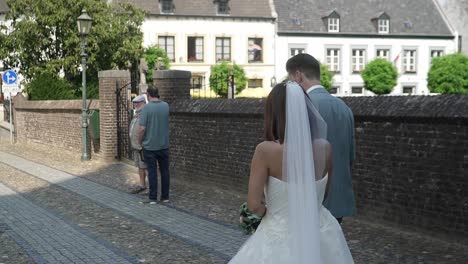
{"x":249,"y":221}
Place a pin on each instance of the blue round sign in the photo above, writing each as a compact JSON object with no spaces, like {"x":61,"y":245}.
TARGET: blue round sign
{"x":10,"y":77}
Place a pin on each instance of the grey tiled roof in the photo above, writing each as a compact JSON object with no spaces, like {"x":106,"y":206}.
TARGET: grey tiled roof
{"x":238,"y":8}
{"x":3,"y":7}
{"x":407,"y":17}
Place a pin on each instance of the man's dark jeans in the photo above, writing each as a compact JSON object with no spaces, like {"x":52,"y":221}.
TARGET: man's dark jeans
{"x":162,"y":159}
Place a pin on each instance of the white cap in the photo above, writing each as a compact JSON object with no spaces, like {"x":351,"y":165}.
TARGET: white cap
{"x":140,"y":98}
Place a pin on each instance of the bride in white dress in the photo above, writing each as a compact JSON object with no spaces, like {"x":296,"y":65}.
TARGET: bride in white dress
{"x":290,"y":171}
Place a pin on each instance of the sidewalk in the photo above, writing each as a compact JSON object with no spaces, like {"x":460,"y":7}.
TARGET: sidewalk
{"x":222,"y":239}
{"x":185,"y":227}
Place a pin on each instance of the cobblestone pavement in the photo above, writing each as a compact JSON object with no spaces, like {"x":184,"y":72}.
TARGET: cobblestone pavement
{"x":222,"y":239}
{"x":48,"y":238}
{"x":369,"y":242}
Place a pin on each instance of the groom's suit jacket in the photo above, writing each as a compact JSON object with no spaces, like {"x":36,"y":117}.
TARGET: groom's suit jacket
{"x":340,"y":133}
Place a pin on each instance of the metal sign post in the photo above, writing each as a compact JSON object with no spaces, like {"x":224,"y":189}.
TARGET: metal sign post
{"x":11,"y":121}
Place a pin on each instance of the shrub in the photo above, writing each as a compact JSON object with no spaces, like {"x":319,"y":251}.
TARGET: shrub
{"x":151,"y":55}
{"x":47,"y":86}
{"x":380,"y":76}
{"x":219,"y":78}
{"x":449,"y":74}
{"x":326,"y":77}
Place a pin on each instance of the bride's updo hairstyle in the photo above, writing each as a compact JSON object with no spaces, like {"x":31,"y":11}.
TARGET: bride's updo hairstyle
{"x":275,"y":114}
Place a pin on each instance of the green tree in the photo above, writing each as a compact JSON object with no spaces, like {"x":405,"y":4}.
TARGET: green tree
{"x":326,"y":77}
{"x":219,"y":78}
{"x":45,"y":38}
{"x":449,"y":74}
{"x":151,"y":55}
{"x":380,"y":76}
{"x":46,"y":86}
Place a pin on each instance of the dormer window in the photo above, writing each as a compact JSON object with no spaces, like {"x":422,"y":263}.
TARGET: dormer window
{"x":333,"y":25}
{"x":167,"y":6}
{"x":332,"y":21}
{"x":223,"y":7}
{"x":384,"y":26}
{"x":383,"y":23}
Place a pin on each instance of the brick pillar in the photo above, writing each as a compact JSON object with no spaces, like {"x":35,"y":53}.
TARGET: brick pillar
{"x":172,"y":84}
{"x":108,"y":81}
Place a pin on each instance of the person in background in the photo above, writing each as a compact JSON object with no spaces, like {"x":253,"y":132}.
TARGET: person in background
{"x":138,"y":103}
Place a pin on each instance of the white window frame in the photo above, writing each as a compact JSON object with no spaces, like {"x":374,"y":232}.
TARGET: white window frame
{"x":226,"y":5}
{"x":291,"y":47}
{"x":199,"y":49}
{"x":410,"y":60}
{"x":162,"y":4}
{"x":378,"y":54}
{"x":440,"y":52}
{"x":358,"y":60}
{"x":223,"y":46}
{"x":405,"y":85}
{"x":333,"y":59}
{"x":333,"y":24}
{"x":384,"y":26}
{"x":165,"y":45}
{"x":357,"y":86}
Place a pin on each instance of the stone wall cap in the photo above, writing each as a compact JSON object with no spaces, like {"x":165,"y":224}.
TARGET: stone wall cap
{"x":171,"y":74}
{"x":218,"y":106}
{"x":22,"y":103}
{"x":434,"y":106}
{"x":114,"y":74}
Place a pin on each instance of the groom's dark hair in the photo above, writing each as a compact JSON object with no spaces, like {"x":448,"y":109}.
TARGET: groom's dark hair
{"x":306,"y":64}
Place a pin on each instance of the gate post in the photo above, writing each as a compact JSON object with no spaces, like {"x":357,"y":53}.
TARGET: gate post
{"x":108,"y":110}
{"x":172,"y":84}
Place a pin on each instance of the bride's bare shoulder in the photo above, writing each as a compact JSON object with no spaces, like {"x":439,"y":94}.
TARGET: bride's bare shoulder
{"x":268,"y":146}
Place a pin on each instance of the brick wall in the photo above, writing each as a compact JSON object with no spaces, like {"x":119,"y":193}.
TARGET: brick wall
{"x":412,"y":154}
{"x":54,"y":123}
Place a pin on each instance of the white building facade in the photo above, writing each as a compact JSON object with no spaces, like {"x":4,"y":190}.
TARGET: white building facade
{"x":347,"y":35}
{"x":196,"y":43}
{"x":199,"y":34}
{"x":347,"y":57}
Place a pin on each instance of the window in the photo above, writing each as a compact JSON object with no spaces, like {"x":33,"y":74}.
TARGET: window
{"x":409,"y":60}
{"x":356,"y":90}
{"x":295,"y":51}
{"x":333,"y":60}
{"x":437,"y":53}
{"x":223,"y":7}
{"x":167,"y":43}
{"x":408,"y":90}
{"x":358,"y":60}
{"x":333,"y":24}
{"x":166,"y":6}
{"x":223,"y":49}
{"x":384,"y":26}
{"x":255,"y":83}
{"x":197,"y":81}
{"x":255,"y":50}
{"x":334,"y":90}
{"x":195,"y":49}
{"x":383,"y":53}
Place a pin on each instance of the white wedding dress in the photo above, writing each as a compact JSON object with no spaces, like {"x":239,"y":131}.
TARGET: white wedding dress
{"x":269,"y":244}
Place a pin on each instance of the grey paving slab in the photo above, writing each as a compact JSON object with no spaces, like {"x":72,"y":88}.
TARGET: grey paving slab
{"x":221,"y":239}
{"x":46,"y":237}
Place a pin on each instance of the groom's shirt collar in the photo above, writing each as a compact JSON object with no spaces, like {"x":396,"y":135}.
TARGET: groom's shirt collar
{"x":313,"y":88}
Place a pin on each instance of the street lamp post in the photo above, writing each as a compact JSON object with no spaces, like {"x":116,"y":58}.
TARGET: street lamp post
{"x":84,"y":25}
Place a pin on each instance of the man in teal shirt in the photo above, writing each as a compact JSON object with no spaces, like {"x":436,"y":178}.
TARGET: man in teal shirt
{"x":153,"y":135}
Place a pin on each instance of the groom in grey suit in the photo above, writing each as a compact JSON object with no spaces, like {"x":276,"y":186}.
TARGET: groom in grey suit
{"x":305,"y":70}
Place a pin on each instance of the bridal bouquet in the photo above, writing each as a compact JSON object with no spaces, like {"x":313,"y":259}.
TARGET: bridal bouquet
{"x":248,"y":220}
